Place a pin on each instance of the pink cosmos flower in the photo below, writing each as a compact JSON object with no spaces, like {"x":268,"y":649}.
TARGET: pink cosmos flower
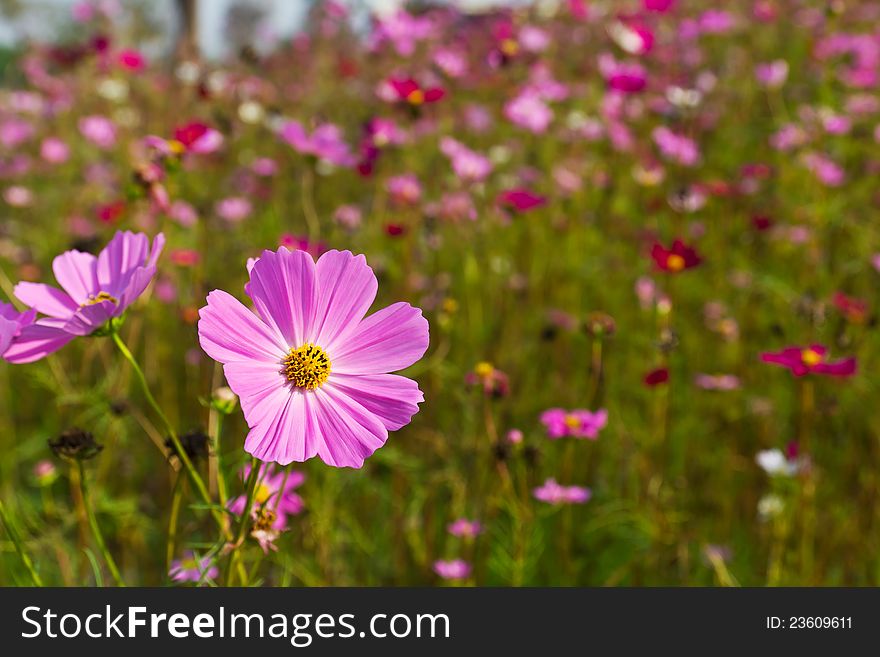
{"x":716,"y":381}
{"x":11,"y":324}
{"x":325,"y":143}
{"x":627,"y":77}
{"x":233,"y":209}
{"x":99,"y":130}
{"x":14,"y":132}
{"x":808,"y":360}
{"x":468,"y":165}
{"x":94,"y":291}
{"x":191,"y":569}
{"x":312,"y":373}
{"x":577,"y":423}
{"x":54,"y":151}
{"x":404,"y":189}
{"x":553,"y":493}
{"x":529,"y":111}
{"x":455,"y":569}
{"x":676,"y":147}
{"x":772,"y":75}
{"x":275,"y":489}
{"x":464,"y":528}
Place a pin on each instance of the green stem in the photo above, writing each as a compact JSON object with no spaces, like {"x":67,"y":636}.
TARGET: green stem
{"x":308,"y":204}
{"x":194,"y":476}
{"x":176,"y":498}
{"x":251,"y":487}
{"x":19,"y":546}
{"x":96,"y":529}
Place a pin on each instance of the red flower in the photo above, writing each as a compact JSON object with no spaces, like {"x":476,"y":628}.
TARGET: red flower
{"x":131,"y":60}
{"x":855,"y":310}
{"x":410,"y":91}
{"x":190,"y":133}
{"x":807,"y":360}
{"x":656,"y":377}
{"x":111,"y":212}
{"x":520,"y":199}
{"x":761,"y":222}
{"x":676,"y":259}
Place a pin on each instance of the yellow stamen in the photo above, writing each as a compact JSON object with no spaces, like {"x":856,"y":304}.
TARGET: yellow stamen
{"x":572,"y":421}
{"x":811,"y":357}
{"x":262,"y":494}
{"x":176,"y":147}
{"x":484,"y":370}
{"x":675,"y":262}
{"x":509,"y":47}
{"x":307,"y":367}
{"x":416,"y":97}
{"x":99,"y":297}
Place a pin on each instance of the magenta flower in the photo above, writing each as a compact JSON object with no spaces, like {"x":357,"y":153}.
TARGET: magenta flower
{"x":312,"y":373}
{"x":455,"y":569}
{"x":464,"y":528}
{"x":275,"y":489}
{"x":325,"y":143}
{"x":233,"y":209}
{"x":94,"y":291}
{"x":99,"y":130}
{"x":192,"y":569}
{"x":529,"y":111}
{"x":577,"y":424}
{"x":807,"y":360}
{"x":676,"y":147}
{"x":468,"y":165}
{"x":11,"y":324}
{"x":520,"y":199}
{"x":553,"y":493}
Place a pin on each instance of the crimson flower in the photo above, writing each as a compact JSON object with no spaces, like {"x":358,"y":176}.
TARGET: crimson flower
{"x":675,"y":259}
{"x":520,"y":199}
{"x":808,"y":360}
{"x":410,"y":91}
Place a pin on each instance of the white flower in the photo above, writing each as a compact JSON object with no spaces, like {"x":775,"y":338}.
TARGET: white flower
{"x":774,"y":462}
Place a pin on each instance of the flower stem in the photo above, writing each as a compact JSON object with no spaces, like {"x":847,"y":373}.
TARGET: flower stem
{"x":96,"y":529}
{"x":251,"y":487}
{"x":19,"y":546}
{"x":308,"y":204}
{"x":181,"y":453}
{"x":176,"y":498}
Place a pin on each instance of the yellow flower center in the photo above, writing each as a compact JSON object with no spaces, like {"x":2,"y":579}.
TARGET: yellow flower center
{"x":416,"y":97}
{"x":262,"y":494}
{"x":307,"y":367}
{"x":509,"y":47}
{"x":484,"y":370}
{"x":811,"y":357}
{"x":675,"y":262}
{"x":176,"y":147}
{"x":572,"y":421}
{"x":99,"y":297}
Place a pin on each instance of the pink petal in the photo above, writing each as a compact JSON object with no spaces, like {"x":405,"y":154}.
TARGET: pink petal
{"x":845,"y":367}
{"x":8,"y":329}
{"x":230,"y":332}
{"x":346,"y":290}
{"x":290,"y":435}
{"x":125,"y":252}
{"x":283,"y":289}
{"x":388,"y":340}
{"x":139,"y":281}
{"x":46,"y":299}
{"x":89,"y":318}
{"x":37,"y":341}
{"x":393,"y":399}
{"x":260,"y":386}
{"x":350,"y":433}
{"x":75,"y":271}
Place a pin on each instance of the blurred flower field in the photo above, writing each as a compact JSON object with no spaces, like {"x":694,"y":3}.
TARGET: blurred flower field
{"x":623,"y":258}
